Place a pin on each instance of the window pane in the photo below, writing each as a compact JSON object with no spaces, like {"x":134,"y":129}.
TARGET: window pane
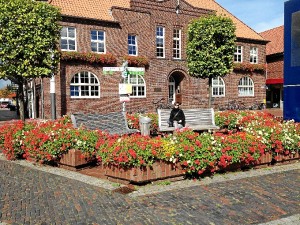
{"x":101,"y":36}
{"x":93,"y":35}
{"x":63,"y":32}
{"x":94,"y":46}
{"x":71,"y":32}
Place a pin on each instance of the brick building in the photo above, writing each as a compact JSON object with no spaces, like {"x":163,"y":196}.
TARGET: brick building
{"x":155,"y":30}
{"x":274,"y":57}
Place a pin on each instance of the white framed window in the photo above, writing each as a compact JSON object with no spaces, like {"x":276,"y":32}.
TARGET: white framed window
{"x":218,"y":87}
{"x":160,"y":42}
{"x":177,"y":44}
{"x":132,"y":45}
{"x":246,"y":87}
{"x":238,"y":54}
{"x":254,"y":55}
{"x":85,"y":85}
{"x":138,"y":85}
{"x":98,"y":41}
{"x":68,"y":39}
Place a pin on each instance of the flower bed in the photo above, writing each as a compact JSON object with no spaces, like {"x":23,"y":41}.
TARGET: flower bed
{"x":259,"y":139}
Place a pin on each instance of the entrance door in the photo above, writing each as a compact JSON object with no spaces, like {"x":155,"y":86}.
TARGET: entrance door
{"x":171,"y":90}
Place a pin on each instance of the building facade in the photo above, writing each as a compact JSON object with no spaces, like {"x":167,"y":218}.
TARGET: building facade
{"x":151,"y":34}
{"x":274,"y":57}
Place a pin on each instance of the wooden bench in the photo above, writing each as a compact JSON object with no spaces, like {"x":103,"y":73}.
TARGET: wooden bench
{"x":113,"y":123}
{"x":196,"y":119}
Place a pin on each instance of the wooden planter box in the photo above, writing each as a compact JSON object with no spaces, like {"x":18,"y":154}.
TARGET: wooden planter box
{"x":73,"y":160}
{"x":159,"y":170}
{"x":265,"y":159}
{"x":287,"y":158}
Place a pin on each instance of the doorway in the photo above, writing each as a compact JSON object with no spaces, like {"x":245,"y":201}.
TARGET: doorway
{"x":175,"y":87}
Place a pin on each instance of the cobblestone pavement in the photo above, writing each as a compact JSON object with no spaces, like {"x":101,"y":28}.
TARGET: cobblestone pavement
{"x":32,"y":194}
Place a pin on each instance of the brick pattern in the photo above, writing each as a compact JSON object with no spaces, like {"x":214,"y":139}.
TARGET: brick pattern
{"x":275,"y":68}
{"x":141,"y":20}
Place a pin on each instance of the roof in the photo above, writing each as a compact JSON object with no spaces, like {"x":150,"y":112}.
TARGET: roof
{"x":242,"y":30}
{"x":100,"y":10}
{"x":91,"y":9}
{"x":276,"y":38}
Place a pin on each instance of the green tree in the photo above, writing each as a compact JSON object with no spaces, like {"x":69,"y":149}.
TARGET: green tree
{"x":5,"y":92}
{"x":210,"y":48}
{"x":29,"y":34}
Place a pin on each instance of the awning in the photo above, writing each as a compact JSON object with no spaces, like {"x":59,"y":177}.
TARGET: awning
{"x":274,"y":81}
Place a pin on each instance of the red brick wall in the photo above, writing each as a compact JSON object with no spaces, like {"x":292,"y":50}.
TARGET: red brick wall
{"x":142,"y":21}
{"x":275,"y":68}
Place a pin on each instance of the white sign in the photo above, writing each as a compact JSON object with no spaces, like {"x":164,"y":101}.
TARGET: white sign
{"x":129,"y":70}
{"x":125,"y":89}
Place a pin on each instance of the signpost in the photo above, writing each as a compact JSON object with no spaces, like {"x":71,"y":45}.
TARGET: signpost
{"x":125,"y":89}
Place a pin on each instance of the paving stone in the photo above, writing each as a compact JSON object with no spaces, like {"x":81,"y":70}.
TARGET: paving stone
{"x":35,"y":195}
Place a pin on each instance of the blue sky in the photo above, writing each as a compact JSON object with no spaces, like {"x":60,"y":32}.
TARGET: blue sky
{"x":3,"y":83}
{"x":260,"y":15}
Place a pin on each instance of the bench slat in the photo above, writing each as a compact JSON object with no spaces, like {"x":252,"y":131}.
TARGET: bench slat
{"x":196,"y":119}
{"x":113,"y":123}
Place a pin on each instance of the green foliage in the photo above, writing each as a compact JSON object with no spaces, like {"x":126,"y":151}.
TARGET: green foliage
{"x":29,"y":34}
{"x":211,"y":44}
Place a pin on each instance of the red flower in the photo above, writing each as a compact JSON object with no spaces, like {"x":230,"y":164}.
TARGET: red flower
{"x":198,"y":143}
{"x":132,"y":153}
{"x":200,"y":172}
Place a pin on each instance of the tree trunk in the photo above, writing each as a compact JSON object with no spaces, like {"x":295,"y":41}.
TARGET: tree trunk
{"x":42,"y":99}
{"x":33,"y":100}
{"x":21,"y":101}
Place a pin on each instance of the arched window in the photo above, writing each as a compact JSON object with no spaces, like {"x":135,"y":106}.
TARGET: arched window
{"x":138,"y":85}
{"x":218,"y":87}
{"x":246,"y":87}
{"x":85,"y":85}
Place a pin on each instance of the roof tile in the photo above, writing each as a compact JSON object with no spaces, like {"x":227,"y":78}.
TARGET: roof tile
{"x":276,"y":38}
{"x":99,"y":9}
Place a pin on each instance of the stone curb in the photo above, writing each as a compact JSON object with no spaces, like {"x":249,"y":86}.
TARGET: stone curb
{"x":152,"y":189}
{"x":291,"y":220}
